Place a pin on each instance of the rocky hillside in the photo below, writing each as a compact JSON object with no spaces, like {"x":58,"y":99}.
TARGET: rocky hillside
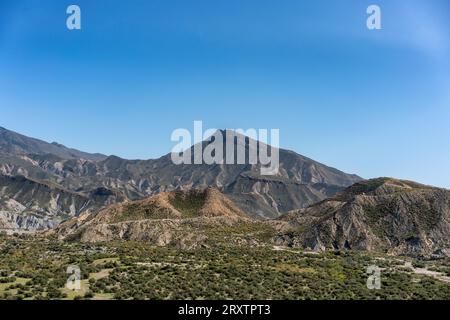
{"x":184,"y":219}
{"x":103,"y":180}
{"x":29,"y":204}
{"x":399,"y":217}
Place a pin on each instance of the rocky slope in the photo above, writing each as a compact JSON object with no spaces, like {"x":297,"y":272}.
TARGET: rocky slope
{"x":184,"y":219}
{"x":395,"y":216}
{"x":299,"y":183}
{"x":29,"y":204}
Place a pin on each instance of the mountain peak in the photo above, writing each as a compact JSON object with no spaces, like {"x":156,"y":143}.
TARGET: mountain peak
{"x":300,"y":182}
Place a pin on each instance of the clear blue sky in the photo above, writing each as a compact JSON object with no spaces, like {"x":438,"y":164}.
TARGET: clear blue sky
{"x":375,"y":103}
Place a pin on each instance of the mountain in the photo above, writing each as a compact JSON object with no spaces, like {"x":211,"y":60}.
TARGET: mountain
{"x":300,"y":182}
{"x":184,"y":219}
{"x":385,"y":214}
{"x":13,"y":143}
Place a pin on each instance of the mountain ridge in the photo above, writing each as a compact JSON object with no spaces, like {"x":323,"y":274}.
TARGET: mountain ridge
{"x":15,"y":143}
{"x":300,"y":182}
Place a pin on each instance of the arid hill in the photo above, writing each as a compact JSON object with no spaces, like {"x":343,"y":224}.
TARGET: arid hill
{"x":179,"y":218}
{"x":395,"y":216}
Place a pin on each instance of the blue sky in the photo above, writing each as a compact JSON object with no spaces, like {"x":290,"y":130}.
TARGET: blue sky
{"x":375,"y":103}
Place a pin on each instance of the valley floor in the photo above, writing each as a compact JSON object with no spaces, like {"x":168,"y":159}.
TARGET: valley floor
{"x":35,"y":268}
